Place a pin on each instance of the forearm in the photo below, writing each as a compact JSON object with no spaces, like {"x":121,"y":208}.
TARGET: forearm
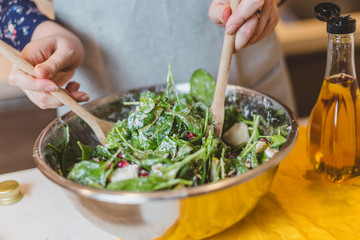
{"x":18,"y":20}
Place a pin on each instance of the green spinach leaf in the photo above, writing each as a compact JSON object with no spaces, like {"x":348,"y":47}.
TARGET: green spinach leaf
{"x":139,"y":119}
{"x":146,"y":104}
{"x":147,"y":184}
{"x":87,"y":151}
{"x":90,"y":173}
{"x":277,"y":141}
{"x":202,"y":86}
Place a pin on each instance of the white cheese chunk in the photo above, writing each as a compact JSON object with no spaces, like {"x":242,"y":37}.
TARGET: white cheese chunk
{"x":269,"y":152}
{"x":128,"y":172}
{"x":237,"y":134}
{"x":261,"y":146}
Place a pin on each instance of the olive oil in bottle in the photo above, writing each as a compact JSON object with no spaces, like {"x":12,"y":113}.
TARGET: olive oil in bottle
{"x":333,"y":138}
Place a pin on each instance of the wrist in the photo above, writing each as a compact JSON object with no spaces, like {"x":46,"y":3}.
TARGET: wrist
{"x":50,"y":28}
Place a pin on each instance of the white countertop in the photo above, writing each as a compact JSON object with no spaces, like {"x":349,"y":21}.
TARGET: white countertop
{"x":44,"y":213}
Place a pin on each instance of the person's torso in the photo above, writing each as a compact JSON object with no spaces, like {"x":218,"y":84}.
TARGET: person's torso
{"x":129,"y":44}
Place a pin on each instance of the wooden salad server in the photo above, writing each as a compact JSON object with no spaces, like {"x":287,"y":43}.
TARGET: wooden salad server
{"x":99,"y":126}
{"x":217,"y":107}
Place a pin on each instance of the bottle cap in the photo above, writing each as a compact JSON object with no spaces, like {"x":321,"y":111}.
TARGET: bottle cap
{"x":10,"y":192}
{"x":341,"y":25}
{"x":336,"y":24}
{"x":325,"y":11}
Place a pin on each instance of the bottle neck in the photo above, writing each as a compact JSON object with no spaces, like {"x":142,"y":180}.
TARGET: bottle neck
{"x":340,"y":55}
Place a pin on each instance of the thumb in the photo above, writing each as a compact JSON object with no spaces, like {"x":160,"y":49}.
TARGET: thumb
{"x":219,"y":12}
{"x":57,"y":62}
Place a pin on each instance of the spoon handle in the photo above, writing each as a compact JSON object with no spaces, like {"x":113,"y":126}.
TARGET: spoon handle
{"x":217,"y":107}
{"x":11,"y":54}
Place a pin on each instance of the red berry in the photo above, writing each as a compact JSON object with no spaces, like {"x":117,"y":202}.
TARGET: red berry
{"x":144,"y":173}
{"x":190,"y":135}
{"x":122,"y":164}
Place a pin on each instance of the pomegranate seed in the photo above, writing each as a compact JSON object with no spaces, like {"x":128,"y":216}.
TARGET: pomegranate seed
{"x":190,"y":135}
{"x":144,"y":174}
{"x":109,"y":165}
{"x":122,"y":164}
{"x":120,"y":155}
{"x":262,"y":140}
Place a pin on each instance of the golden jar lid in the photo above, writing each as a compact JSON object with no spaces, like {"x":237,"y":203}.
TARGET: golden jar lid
{"x":10,"y":192}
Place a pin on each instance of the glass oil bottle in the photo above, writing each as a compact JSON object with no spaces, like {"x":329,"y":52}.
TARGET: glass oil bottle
{"x":333,"y":137}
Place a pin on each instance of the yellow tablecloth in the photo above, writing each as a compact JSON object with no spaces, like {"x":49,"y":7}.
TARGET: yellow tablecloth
{"x":302,"y":205}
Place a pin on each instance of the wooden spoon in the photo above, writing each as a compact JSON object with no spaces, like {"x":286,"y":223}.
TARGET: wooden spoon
{"x":99,"y":126}
{"x":217,"y":107}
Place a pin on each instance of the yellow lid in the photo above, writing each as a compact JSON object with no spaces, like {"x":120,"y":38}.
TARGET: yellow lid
{"x":9,"y":192}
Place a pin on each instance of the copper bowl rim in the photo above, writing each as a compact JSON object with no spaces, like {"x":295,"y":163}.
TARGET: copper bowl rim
{"x":141,"y":197}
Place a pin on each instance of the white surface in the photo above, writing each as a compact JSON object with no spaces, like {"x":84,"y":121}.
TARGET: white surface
{"x":44,"y":213}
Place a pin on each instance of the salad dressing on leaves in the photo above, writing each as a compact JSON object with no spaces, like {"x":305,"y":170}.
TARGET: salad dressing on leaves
{"x":168,"y":141}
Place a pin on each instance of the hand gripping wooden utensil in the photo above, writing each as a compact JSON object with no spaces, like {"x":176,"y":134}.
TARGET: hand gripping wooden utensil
{"x":99,"y":126}
{"x":217,"y":107}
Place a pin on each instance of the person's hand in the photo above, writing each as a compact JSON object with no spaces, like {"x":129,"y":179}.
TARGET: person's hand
{"x":244,"y":21}
{"x":56,"y":53}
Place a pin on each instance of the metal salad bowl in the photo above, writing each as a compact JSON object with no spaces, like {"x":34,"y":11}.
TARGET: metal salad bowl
{"x":188,"y":213}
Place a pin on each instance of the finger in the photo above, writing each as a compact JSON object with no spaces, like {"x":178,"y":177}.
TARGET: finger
{"x":20,"y":79}
{"x":216,"y":10}
{"x":79,"y":96}
{"x":270,"y":26}
{"x":244,"y":11}
{"x":266,"y":25}
{"x":60,"y":60}
{"x":43,"y":100}
{"x":62,"y":78}
{"x":219,"y":12}
{"x":35,"y":52}
{"x":72,"y":86}
{"x":72,"y":89}
{"x":46,"y":100}
{"x":263,"y":20}
{"x":245,"y":32}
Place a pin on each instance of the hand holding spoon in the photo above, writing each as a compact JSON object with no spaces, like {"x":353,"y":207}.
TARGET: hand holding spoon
{"x":217,"y":107}
{"x":99,"y":126}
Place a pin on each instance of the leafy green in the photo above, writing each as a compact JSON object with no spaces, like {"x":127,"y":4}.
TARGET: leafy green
{"x":148,"y":184}
{"x":147,"y":104}
{"x":167,"y":142}
{"x":277,"y":141}
{"x":168,"y":146}
{"x":138,"y":119}
{"x":90,"y":173}
{"x":145,"y":142}
{"x":87,"y":151}
{"x":202,"y":87}
{"x":232,"y":116}
{"x":60,"y":154}
{"x":192,"y":123}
